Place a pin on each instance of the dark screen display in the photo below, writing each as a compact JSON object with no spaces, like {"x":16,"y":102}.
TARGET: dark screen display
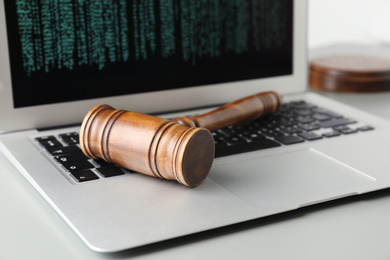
{"x":81,"y":49}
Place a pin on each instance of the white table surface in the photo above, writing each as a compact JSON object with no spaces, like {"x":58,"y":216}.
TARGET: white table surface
{"x":350,"y":229}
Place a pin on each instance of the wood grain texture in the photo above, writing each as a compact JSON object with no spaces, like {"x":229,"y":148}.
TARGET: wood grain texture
{"x":181,"y":149}
{"x":151,"y":145}
{"x":350,"y":74}
{"x":239,"y":111}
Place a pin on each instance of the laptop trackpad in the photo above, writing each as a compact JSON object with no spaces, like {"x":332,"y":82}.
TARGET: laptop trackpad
{"x":300,"y":176}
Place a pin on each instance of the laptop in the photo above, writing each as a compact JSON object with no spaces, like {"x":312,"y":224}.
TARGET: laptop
{"x":175,"y":58}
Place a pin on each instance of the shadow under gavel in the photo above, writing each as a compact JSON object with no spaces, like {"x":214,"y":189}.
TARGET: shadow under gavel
{"x":181,"y":149}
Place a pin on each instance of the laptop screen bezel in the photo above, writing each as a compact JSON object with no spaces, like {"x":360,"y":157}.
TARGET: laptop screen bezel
{"x":41,"y":116}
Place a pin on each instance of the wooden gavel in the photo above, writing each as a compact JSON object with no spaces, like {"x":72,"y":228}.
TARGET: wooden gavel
{"x":181,"y":149}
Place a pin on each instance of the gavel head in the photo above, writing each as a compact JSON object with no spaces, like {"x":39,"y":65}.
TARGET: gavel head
{"x":147,"y":144}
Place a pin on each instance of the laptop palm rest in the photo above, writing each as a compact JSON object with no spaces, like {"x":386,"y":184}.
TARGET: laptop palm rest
{"x":301,"y":177}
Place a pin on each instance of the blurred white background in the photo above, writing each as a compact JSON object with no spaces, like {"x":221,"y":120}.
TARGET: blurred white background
{"x":348,"y":21}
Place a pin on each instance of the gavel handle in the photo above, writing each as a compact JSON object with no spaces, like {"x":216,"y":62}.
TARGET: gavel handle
{"x":239,"y":111}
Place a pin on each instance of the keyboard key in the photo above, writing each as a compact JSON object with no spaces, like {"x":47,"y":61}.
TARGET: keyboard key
{"x":345,"y":129}
{"x":303,"y":111}
{"x":309,"y":127}
{"x":219,"y":143}
{"x":63,"y":150}
{"x":310,"y":136}
{"x":291,"y":130}
{"x":235,"y":140}
{"x":365,"y":128}
{"x":110,"y":171}
{"x":289,"y":139}
{"x":249,"y":131}
{"x":336,"y":122}
{"x":47,"y":137}
{"x":252,"y":136}
{"x":348,"y":131}
{"x":321,"y":117}
{"x":71,"y":140}
{"x":331,"y":134}
{"x":245,"y":147}
{"x":77,"y":165}
{"x":85,"y":175}
{"x":223,"y":132}
{"x":70,"y":134}
{"x":48,"y":141}
{"x":70,"y":157}
{"x":304,"y":119}
{"x":338,"y":128}
{"x":286,"y":121}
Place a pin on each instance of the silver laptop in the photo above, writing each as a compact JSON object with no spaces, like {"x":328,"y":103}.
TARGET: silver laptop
{"x":59,"y":59}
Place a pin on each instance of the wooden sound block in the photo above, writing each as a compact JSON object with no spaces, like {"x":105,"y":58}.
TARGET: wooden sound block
{"x":350,"y":74}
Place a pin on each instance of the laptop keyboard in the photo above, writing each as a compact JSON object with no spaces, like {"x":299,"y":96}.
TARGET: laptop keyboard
{"x":64,"y":150}
{"x":294,"y":122}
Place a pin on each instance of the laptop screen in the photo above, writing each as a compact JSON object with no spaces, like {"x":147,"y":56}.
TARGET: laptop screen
{"x":74,"y":50}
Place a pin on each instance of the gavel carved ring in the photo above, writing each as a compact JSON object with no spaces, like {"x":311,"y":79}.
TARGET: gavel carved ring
{"x":181,"y":149}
